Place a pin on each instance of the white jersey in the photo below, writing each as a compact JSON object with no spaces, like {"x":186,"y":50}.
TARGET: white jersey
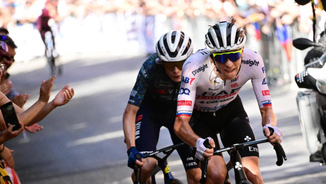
{"x":203,"y":90}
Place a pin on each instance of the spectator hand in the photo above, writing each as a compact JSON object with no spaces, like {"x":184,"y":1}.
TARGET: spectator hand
{"x":34,"y":128}
{"x":133,"y":155}
{"x":21,"y":99}
{"x":9,"y":134}
{"x":6,"y":155}
{"x":6,"y":85}
{"x":45,"y":90}
{"x":64,"y":96}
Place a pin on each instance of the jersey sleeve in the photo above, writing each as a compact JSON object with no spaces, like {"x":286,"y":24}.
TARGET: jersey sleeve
{"x":260,"y":85}
{"x":143,"y":80}
{"x":187,"y":91}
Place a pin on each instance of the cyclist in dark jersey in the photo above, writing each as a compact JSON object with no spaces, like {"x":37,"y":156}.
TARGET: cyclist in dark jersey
{"x":152,"y":104}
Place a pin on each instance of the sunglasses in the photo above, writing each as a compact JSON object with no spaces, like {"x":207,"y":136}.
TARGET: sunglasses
{"x":170,"y":65}
{"x":222,"y":57}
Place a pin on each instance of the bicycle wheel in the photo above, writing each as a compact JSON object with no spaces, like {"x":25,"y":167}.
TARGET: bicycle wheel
{"x":176,"y":181}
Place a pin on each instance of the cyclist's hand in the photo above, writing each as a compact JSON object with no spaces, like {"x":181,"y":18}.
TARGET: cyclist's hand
{"x":45,"y":90}
{"x":64,"y":96}
{"x":202,"y":149}
{"x":274,"y":134}
{"x":134,"y":157}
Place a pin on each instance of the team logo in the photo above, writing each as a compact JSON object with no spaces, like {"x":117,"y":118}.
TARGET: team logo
{"x":184,"y":103}
{"x":184,"y":91}
{"x":200,"y":69}
{"x":250,"y":62}
{"x":266,"y":92}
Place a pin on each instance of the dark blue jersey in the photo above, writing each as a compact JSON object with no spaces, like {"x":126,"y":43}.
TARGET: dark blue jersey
{"x":153,"y":85}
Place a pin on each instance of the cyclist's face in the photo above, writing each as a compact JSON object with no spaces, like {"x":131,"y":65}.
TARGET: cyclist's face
{"x":174,"y":74}
{"x":8,"y":62}
{"x":229,"y":69}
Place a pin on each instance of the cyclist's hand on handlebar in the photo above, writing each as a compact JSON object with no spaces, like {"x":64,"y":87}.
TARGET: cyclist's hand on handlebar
{"x":135,"y":158}
{"x":204,"y":149}
{"x":274,"y":134}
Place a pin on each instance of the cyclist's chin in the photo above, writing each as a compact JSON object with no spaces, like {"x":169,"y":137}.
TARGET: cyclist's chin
{"x":229,"y":75}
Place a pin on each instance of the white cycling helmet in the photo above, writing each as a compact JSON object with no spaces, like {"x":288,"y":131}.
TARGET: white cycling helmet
{"x":174,"y":46}
{"x":225,"y":36}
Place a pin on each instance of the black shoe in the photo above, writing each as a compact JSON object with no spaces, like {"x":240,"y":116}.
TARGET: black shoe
{"x":316,"y":157}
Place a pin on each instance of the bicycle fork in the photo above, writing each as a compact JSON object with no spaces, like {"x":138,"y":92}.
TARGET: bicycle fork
{"x":166,"y":171}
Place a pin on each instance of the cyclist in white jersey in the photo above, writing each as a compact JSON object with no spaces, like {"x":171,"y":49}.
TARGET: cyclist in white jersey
{"x":208,"y":101}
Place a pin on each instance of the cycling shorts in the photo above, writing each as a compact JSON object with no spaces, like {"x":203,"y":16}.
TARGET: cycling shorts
{"x":149,"y":121}
{"x":231,"y":122}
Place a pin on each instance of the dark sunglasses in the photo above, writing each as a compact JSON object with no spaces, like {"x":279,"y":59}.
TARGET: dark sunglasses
{"x":170,"y":65}
{"x":224,"y":56}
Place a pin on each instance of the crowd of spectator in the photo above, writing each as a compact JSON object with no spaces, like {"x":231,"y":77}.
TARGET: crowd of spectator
{"x":133,"y":26}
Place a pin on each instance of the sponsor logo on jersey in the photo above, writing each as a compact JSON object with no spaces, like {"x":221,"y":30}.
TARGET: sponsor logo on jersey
{"x":161,"y":91}
{"x":184,"y":91}
{"x":200,"y":69}
{"x":264,"y":82}
{"x":250,"y":62}
{"x":184,"y":103}
{"x":221,"y":95}
{"x":235,"y":79}
{"x":187,"y":80}
{"x":265,"y":92}
{"x":138,"y":125}
{"x":143,"y":72}
{"x":234,"y":85}
{"x":263,"y":69}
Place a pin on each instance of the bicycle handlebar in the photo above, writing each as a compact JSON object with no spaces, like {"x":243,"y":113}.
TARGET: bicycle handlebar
{"x":277,"y":147}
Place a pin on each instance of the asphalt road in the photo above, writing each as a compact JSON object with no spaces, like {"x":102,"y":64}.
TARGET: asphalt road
{"x":82,"y":142}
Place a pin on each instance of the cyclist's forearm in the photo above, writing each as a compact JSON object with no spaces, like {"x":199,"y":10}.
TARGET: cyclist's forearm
{"x":268,"y":116}
{"x":183,"y":130}
{"x":129,"y":126}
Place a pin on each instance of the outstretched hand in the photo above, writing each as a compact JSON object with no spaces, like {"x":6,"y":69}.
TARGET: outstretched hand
{"x":64,"y":96}
{"x":45,"y":90}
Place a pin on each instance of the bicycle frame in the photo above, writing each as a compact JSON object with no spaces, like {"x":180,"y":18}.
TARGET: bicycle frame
{"x":240,"y":176}
{"x":162,"y":164}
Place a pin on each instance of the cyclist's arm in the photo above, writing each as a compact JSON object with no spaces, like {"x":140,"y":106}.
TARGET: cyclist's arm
{"x":129,"y":117}
{"x":183,"y":130}
{"x":268,"y":116}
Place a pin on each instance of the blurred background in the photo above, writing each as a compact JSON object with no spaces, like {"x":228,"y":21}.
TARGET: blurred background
{"x":132,"y":27}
